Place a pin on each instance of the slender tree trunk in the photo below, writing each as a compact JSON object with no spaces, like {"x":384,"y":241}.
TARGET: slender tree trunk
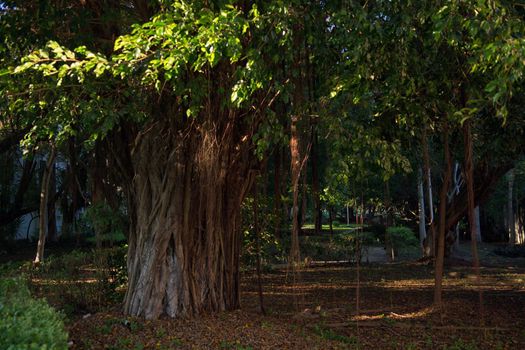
{"x":477,"y":224}
{"x":331,"y":219}
{"x":315,"y":185}
{"x":185,"y":237}
{"x":422,"y":219}
{"x":510,"y":208}
{"x":51,"y":207}
{"x":520,"y":233}
{"x":440,"y":253}
{"x":258,"y":246}
{"x":97,"y":189}
{"x":295,"y":256}
{"x":277,"y":202}
{"x":73,"y":187}
{"x":389,"y":244}
{"x":44,"y":195}
{"x":452,"y":235}
{"x":430,"y":245}
{"x":469,"y":179}
{"x":295,"y":138}
{"x":304,"y":199}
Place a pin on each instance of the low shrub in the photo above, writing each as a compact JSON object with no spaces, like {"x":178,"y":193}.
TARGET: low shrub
{"x":336,"y":247}
{"x":27,"y":323}
{"x":109,"y":223}
{"x":402,"y":237}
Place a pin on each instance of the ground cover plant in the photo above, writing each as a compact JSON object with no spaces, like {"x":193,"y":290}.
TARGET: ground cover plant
{"x":28,"y":323}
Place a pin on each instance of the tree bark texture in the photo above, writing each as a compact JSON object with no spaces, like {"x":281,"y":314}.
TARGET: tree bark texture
{"x":510,"y":207}
{"x":440,"y":251}
{"x":44,"y":195}
{"x":257,"y":229}
{"x":469,"y":180}
{"x":422,"y":216}
{"x":316,"y":185}
{"x":185,"y":199}
{"x":52,"y":234}
{"x":295,"y":255}
{"x":98,"y":196}
{"x":389,"y":244}
{"x":477,"y":224}
{"x":277,"y":200}
{"x":430,"y":245}
{"x":304,"y":199}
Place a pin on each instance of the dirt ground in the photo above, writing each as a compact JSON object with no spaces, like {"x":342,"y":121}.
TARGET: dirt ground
{"x":388,"y":306}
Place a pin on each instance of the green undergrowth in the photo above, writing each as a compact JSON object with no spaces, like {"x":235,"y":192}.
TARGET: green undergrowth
{"x":27,"y":323}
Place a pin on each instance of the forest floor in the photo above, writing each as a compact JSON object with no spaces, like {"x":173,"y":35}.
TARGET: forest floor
{"x":318,"y":308}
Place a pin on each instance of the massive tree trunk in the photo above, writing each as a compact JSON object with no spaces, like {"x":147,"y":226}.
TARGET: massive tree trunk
{"x":185,"y":199}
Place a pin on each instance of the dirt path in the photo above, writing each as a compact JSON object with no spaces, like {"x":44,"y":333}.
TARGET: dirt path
{"x":375,"y":255}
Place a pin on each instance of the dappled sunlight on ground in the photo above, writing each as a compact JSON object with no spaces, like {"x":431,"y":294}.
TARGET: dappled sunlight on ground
{"x":395,"y":300}
{"x":394,"y":316}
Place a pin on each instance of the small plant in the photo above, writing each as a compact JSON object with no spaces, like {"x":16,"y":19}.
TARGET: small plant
{"x":226,"y":345}
{"x":266,"y":325}
{"x":429,"y":342}
{"x":328,"y":334}
{"x":176,"y":342}
{"x":124,"y":342}
{"x":104,"y":329}
{"x":161,"y":332}
{"x":132,"y":324}
{"x":88,"y":343}
{"x":460,"y":345}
